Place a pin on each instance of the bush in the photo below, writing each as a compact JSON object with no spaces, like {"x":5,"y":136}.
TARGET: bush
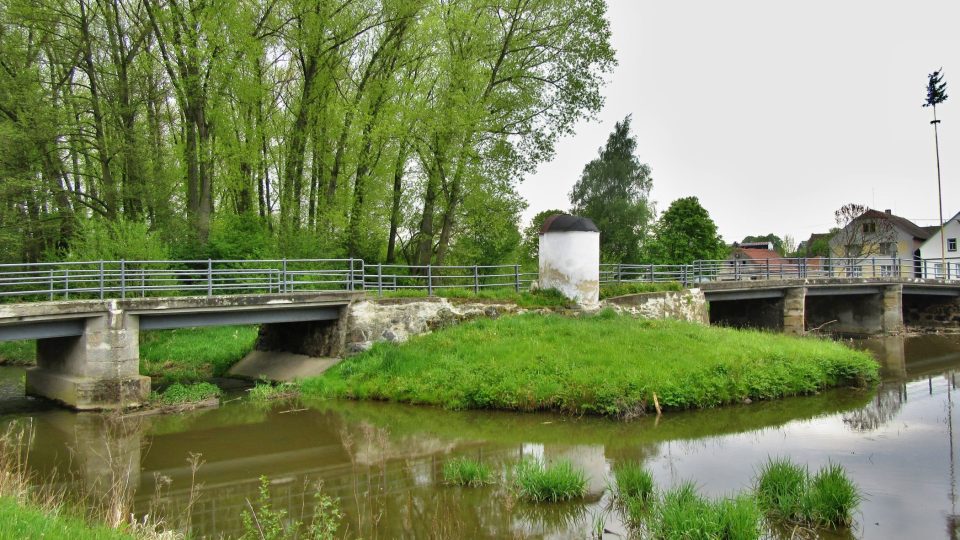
{"x":536,"y":482}
{"x":99,"y":239}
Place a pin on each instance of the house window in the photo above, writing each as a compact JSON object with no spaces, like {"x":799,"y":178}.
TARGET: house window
{"x":888,"y":248}
{"x":951,"y":244}
{"x":869,"y":227}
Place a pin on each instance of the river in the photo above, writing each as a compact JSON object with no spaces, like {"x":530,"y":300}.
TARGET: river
{"x":384,"y":462}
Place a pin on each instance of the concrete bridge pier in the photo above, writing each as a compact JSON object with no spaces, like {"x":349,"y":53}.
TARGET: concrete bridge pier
{"x":892,"y":306}
{"x":98,"y":369}
{"x":794,"y":311}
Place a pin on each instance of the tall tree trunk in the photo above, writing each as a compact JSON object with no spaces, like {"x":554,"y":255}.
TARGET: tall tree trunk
{"x":398,"y":170}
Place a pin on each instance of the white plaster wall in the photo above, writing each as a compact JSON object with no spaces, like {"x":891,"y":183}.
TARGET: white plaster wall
{"x":570,"y":263}
{"x":931,"y":251}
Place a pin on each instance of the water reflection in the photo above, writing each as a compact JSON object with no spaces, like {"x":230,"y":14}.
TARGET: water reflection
{"x":384,"y":462}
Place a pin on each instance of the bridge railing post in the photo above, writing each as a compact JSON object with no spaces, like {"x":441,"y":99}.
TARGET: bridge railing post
{"x":209,"y":277}
{"x":283,"y":275}
{"x":476,"y":279}
{"x":123,"y":279}
{"x":101,"y":280}
{"x":768,"y":270}
{"x":873,"y":266}
{"x":350,"y":275}
{"x":379,"y":279}
{"x":516,"y":277}
{"x":429,"y":280}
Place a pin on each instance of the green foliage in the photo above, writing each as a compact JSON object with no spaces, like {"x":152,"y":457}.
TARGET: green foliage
{"x":541,"y":298}
{"x":177,"y":394}
{"x":832,"y":497}
{"x":778,"y":243}
{"x":936,"y":89}
{"x":240,"y":237}
{"x":538,"y":482}
{"x":610,"y":290}
{"x":261,"y":521}
{"x":606,"y":364}
{"x":112,"y":241}
{"x":633,"y":482}
{"x":531,"y":234}
{"x":31,"y":521}
{"x":18,"y":353}
{"x":614,"y":191}
{"x":683,"y":234}
{"x":786,"y":492}
{"x":188,"y":355}
{"x":467,"y":472}
{"x":263,"y":391}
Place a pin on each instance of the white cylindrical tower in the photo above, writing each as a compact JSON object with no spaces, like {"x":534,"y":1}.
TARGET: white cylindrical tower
{"x":570,"y":258}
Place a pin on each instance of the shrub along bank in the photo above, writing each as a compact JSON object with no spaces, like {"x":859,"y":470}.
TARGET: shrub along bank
{"x":604,"y":364}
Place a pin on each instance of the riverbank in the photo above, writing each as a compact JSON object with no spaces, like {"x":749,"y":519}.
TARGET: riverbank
{"x":184,"y":355}
{"x":603,"y":364}
{"x":30,"y":521}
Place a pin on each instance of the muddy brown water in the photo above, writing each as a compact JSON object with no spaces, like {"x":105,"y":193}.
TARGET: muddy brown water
{"x":384,"y":462}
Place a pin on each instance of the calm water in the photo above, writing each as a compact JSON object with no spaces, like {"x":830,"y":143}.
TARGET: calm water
{"x":384,"y":461}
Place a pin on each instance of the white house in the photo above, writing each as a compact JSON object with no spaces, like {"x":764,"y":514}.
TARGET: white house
{"x":878,"y":244}
{"x":933,"y":255}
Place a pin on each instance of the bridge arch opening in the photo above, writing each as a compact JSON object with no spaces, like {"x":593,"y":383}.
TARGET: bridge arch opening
{"x":753,"y":313}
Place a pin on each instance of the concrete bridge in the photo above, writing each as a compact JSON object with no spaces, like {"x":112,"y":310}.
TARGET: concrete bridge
{"x":88,"y":350}
{"x":857,"y":306}
{"x":86,"y":317}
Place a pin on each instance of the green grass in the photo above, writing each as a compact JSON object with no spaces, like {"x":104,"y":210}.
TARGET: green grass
{"x":265,"y":391}
{"x":604,"y":364}
{"x":178,"y":394}
{"x":787,"y":493}
{"x":633,"y":482}
{"x":609,"y":290}
{"x":546,"y":298}
{"x":560,"y":481}
{"x":18,"y":353}
{"x":193,"y":354}
{"x":24,"y":521}
{"x":683,"y":514}
{"x":466,"y":472}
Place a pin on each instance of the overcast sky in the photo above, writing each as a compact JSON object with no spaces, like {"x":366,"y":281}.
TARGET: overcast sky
{"x":775,"y":114}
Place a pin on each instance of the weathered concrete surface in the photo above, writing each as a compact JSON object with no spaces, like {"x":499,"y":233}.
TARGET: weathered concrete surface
{"x":924,"y":313}
{"x":280,"y":366}
{"x":892,"y":305}
{"x":396,"y":320}
{"x":794,"y":311}
{"x":97,"y":370}
{"x":687,"y":305}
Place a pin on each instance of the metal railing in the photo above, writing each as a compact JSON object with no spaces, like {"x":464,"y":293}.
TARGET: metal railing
{"x":394,"y":277}
{"x":133,"y":279}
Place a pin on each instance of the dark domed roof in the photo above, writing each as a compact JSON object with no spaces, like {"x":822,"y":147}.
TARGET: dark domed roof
{"x":566,"y":222}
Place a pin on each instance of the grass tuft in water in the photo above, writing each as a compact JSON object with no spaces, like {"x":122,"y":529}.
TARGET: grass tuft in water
{"x":832,"y":497}
{"x":738,"y":518}
{"x":560,"y":481}
{"x":634,"y":482}
{"x":780,"y":488}
{"x":787,"y":492}
{"x":685,"y":514}
{"x":466,"y":472}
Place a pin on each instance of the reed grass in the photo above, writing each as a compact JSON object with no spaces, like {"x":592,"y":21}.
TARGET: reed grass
{"x":467,"y":472}
{"x":633,"y":482}
{"x":684,"y":514}
{"x":538,"y":482}
{"x":264,"y":391}
{"x":787,"y":492}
